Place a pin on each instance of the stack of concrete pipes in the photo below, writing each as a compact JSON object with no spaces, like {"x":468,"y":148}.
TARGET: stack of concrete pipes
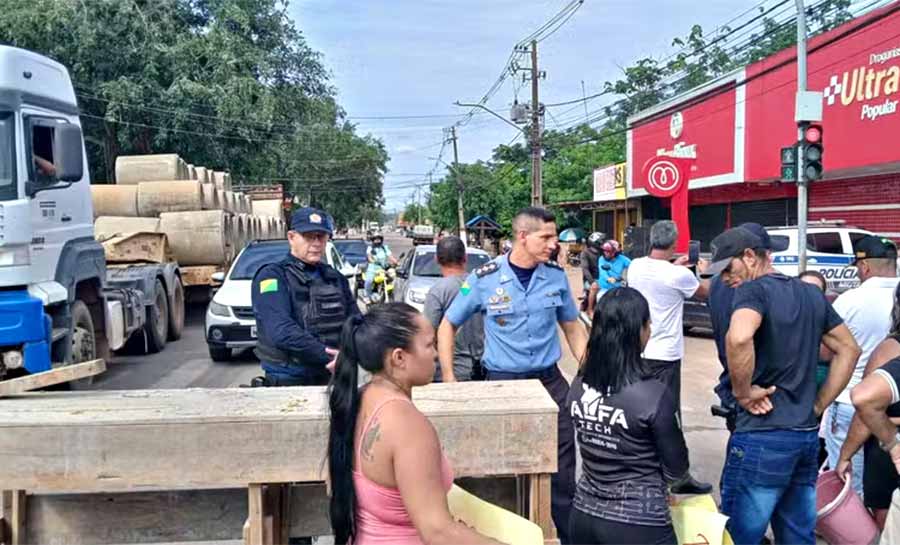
{"x":205,"y":221}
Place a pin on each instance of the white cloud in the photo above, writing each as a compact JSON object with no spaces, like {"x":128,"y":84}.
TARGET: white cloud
{"x":405,"y":149}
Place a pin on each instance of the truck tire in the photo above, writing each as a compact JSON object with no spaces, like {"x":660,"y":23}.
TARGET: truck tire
{"x":84,"y":343}
{"x":218,"y":353}
{"x":157,"y":327}
{"x":176,"y":311}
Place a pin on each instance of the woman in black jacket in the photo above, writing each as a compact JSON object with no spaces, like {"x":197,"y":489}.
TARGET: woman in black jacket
{"x":631,"y":442}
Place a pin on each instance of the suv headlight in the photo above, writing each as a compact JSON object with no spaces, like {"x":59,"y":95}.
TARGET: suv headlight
{"x":219,"y":310}
{"x":417,"y":296}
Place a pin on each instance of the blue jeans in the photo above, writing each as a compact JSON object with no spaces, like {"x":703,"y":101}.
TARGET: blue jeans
{"x":836,"y":427}
{"x":770,"y":476}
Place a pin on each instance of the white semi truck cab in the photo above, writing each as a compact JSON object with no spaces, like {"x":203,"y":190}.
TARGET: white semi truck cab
{"x":59,"y":303}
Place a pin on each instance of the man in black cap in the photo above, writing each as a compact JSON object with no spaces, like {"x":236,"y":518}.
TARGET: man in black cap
{"x":721,"y":298}
{"x":772,"y":348}
{"x":301,"y":304}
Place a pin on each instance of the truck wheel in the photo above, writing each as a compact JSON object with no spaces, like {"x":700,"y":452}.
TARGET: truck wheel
{"x":84,"y":344}
{"x":218,"y":353}
{"x":176,"y":311}
{"x":157,"y":327}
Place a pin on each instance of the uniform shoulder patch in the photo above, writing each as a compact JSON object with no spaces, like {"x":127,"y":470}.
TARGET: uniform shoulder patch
{"x":486,"y":269}
{"x":268,"y":285}
{"x":553,"y":265}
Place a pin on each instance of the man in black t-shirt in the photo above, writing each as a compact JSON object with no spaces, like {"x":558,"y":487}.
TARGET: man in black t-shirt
{"x":772,"y":346}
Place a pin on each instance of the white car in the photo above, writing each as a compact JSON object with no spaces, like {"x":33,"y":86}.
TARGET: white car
{"x":230,"y":322}
{"x":829,"y":250}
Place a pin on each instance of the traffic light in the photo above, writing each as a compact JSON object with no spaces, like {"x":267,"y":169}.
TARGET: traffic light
{"x":789,"y":164}
{"x":811,"y":147}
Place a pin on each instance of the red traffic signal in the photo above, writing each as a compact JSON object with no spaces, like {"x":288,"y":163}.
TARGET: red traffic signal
{"x":812,"y":152}
{"x":813,"y":134}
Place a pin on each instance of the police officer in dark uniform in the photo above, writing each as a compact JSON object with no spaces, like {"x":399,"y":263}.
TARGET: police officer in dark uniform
{"x":301,"y":304}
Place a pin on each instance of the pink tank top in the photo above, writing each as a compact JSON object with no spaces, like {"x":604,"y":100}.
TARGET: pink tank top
{"x":381,"y":517}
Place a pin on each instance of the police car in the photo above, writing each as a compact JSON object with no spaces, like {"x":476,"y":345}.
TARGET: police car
{"x":230,"y":322}
{"x":829,"y":250}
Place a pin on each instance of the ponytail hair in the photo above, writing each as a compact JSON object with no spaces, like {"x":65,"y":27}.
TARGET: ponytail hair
{"x":365,"y":342}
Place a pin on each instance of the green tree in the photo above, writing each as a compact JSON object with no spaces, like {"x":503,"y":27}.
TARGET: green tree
{"x":229,"y":84}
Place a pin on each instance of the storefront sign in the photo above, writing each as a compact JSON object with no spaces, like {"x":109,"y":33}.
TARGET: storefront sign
{"x":859,"y":75}
{"x":609,"y":183}
{"x":667,"y":177}
{"x":708,"y":131}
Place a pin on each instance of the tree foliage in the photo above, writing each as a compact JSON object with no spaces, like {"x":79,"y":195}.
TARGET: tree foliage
{"x":229,"y":84}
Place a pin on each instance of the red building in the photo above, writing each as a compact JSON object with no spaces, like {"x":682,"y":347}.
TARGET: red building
{"x":735,"y":127}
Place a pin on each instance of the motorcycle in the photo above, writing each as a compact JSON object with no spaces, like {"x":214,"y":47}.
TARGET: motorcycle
{"x":383,"y":286}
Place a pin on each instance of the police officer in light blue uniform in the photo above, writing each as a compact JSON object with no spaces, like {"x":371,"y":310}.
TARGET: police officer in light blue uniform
{"x":523,"y":296}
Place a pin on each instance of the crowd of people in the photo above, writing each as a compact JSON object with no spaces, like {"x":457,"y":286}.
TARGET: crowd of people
{"x":804,"y":381}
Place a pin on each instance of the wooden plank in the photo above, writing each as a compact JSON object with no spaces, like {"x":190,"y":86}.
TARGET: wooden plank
{"x":213,"y":515}
{"x":255,"y":514}
{"x":14,"y":513}
{"x":539,"y":504}
{"x":137,"y":517}
{"x":199,"y":275}
{"x":109,"y":441}
{"x":138,"y":247}
{"x":49,"y":378}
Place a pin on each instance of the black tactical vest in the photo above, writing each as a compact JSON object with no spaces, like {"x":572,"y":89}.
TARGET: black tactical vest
{"x":319,"y":306}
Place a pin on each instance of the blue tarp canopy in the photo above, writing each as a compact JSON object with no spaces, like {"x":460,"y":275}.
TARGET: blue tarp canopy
{"x":483,"y":222}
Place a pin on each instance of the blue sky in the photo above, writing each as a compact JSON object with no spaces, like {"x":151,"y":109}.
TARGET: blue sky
{"x":416,"y":57}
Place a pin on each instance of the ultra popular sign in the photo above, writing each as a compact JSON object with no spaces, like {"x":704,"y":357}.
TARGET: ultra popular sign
{"x":868,"y":88}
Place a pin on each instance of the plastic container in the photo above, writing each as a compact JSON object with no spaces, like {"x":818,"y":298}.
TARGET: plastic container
{"x":841,"y":517}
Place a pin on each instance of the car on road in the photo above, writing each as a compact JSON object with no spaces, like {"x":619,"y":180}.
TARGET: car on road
{"x":419,"y":270}
{"x":230,"y":322}
{"x":354,"y":252}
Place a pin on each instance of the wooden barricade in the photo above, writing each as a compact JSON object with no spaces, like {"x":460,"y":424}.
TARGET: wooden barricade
{"x":213,"y":465}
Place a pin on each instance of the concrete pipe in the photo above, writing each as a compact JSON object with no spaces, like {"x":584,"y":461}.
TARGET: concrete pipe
{"x":210,"y":197}
{"x":109,"y":226}
{"x":268,"y":207}
{"x":197,"y":237}
{"x":154,"y":198}
{"x":114,"y":200}
{"x":192,"y":172}
{"x":222,"y":180}
{"x":132,"y":169}
{"x":223,"y":200}
{"x":229,"y":202}
{"x":203,"y":175}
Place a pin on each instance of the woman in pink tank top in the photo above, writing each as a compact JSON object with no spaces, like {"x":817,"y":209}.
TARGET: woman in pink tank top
{"x":389,"y":478}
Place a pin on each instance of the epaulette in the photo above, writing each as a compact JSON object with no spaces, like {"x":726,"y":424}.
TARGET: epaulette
{"x":486,"y":269}
{"x":553,"y":265}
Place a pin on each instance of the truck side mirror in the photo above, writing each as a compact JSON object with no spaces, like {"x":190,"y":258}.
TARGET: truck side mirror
{"x":68,"y":153}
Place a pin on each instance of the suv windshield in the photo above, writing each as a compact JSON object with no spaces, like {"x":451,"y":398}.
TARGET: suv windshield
{"x":426,"y":264}
{"x":257,"y":255}
{"x":7,"y":156}
{"x":351,"y":247}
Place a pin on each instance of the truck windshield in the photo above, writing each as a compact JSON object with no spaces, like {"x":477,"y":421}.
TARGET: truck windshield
{"x":7,"y":156}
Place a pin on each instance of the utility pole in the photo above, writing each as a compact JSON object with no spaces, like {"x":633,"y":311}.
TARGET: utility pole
{"x":459,"y":188}
{"x":537,"y":192}
{"x":802,"y":184}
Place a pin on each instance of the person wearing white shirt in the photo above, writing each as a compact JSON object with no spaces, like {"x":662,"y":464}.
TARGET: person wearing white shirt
{"x":867,"y":312}
{"x":666,"y":284}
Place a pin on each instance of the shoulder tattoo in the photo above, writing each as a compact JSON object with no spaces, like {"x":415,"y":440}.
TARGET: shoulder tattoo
{"x":372,"y":436}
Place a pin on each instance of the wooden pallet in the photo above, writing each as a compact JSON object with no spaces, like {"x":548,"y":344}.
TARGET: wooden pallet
{"x":199,"y":275}
{"x":138,"y":248}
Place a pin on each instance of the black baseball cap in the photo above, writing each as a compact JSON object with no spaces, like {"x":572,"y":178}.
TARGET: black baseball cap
{"x":729,"y":245}
{"x":874,"y":247}
{"x":773,"y":245}
{"x":309,"y":220}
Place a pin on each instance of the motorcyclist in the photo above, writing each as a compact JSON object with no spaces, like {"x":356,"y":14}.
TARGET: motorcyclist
{"x":589,"y":257}
{"x":379,"y":257}
{"x":612,"y":271}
